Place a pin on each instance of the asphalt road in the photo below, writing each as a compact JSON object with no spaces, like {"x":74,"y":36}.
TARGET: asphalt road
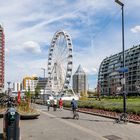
{"x":59,"y":125}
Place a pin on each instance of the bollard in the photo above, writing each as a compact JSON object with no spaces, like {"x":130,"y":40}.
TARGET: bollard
{"x":11,"y":129}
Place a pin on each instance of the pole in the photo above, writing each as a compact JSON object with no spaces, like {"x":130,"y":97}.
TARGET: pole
{"x":123,"y":53}
{"x":44,"y":87}
{"x":44,"y":72}
{"x":124,"y":93}
{"x":8,"y":87}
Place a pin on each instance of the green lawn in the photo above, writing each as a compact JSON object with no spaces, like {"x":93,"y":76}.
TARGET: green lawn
{"x":132,"y":104}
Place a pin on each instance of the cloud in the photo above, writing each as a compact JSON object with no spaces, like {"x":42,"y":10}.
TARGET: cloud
{"x":90,"y":71}
{"x":136,"y":29}
{"x":31,"y":47}
{"x":6,"y":50}
{"x":34,"y":25}
{"x":18,"y":69}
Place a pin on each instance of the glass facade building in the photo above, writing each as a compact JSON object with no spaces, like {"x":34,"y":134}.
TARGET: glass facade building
{"x":109,"y":77}
{"x":80,"y":81}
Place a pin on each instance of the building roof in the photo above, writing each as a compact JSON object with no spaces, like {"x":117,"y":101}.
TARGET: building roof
{"x":79,"y":70}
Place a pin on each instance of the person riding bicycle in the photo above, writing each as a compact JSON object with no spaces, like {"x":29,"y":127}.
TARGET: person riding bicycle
{"x":54,"y":104}
{"x":48,"y":103}
{"x":74,"y":105}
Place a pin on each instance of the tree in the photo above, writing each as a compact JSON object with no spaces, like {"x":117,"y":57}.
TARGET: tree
{"x":28,"y":99}
{"x":98,"y":91}
{"x":37,"y":91}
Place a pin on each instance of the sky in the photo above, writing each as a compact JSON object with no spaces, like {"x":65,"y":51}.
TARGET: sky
{"x":94,"y":26}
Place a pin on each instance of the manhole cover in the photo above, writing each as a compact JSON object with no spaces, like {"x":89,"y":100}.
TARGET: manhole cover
{"x":112,"y":137}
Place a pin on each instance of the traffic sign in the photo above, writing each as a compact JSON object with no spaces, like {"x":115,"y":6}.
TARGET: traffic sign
{"x":123,"y":81}
{"x":121,"y":70}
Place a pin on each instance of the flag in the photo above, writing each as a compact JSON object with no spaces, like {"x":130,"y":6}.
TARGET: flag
{"x":18,"y":96}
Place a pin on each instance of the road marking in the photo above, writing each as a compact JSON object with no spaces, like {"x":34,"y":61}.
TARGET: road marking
{"x":93,"y":133}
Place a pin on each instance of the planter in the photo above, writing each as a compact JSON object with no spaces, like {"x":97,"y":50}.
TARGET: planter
{"x":30,"y":114}
{"x":24,"y":116}
{"x":26,"y":111}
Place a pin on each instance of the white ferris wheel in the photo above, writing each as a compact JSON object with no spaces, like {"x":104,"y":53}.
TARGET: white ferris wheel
{"x":60,"y":62}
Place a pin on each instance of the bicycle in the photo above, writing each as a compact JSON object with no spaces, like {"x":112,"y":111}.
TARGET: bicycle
{"x":123,"y":117}
{"x":75,"y":114}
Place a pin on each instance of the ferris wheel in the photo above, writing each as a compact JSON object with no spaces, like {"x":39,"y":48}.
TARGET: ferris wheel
{"x":60,"y":62}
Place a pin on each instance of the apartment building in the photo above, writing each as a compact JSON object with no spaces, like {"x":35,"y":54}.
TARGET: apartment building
{"x":30,"y":83}
{"x":109,"y":77}
{"x":2,"y":57}
{"x":17,"y":87}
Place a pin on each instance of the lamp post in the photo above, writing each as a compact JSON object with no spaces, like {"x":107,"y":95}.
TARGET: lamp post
{"x":44,"y":87}
{"x":8,"y":87}
{"x":123,"y":79}
{"x":44,"y":71}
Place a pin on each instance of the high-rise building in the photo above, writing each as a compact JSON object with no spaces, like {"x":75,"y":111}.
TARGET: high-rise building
{"x":110,"y":79}
{"x":42,"y":83}
{"x":17,"y":87}
{"x":2,"y":42}
{"x":30,"y":83}
{"x":80,"y":81}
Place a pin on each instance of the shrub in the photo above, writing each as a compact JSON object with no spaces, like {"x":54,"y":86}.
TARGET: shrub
{"x":113,"y":104}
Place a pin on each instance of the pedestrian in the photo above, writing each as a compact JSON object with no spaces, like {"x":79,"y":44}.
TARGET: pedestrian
{"x":60,"y":104}
{"x":54,"y":104}
{"x":48,"y":104}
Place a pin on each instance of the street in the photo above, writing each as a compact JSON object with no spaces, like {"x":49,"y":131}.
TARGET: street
{"x":59,"y":125}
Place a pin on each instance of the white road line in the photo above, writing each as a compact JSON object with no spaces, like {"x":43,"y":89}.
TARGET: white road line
{"x":93,"y":133}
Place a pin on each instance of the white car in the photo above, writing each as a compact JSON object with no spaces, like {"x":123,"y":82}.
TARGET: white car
{"x":68,"y":97}
{"x":50,"y":96}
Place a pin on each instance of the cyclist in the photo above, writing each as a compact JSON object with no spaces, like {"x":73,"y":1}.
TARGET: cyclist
{"x":48,"y":104}
{"x":54,"y":104}
{"x":74,"y":105}
{"x":74,"y":108}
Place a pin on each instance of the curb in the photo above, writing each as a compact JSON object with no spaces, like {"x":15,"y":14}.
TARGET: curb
{"x":101,"y":115}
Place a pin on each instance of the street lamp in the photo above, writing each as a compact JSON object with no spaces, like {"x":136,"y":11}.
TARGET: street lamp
{"x":44,"y":87}
{"x":44,"y":71}
{"x":124,"y":115}
{"x":8,"y":87}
